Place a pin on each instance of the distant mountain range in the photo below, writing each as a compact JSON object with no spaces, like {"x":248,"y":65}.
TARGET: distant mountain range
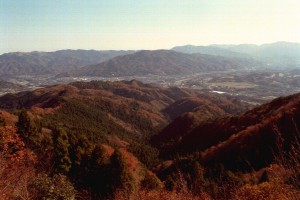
{"x":163,"y":62}
{"x":179,"y":60}
{"x":209,"y":50}
{"x":279,"y":55}
{"x":38,"y":63}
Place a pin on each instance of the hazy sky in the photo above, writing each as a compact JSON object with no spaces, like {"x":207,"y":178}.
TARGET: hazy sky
{"x":46,"y":25}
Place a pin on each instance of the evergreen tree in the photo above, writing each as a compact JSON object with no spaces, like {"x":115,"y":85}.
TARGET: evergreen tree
{"x":23,"y":125}
{"x":61,"y":143}
{"x":2,"y":121}
{"x":121,"y":178}
{"x":80,"y":148}
{"x":28,"y":130}
{"x":99,"y":173}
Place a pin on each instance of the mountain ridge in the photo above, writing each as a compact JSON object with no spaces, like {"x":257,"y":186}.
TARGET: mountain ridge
{"x":162,"y":62}
{"x":278,"y":55}
{"x":247,"y":140}
{"x":39,"y":63}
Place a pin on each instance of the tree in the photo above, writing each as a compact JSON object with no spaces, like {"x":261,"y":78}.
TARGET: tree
{"x":97,"y":173}
{"x":16,"y":165}
{"x":24,"y":124}
{"x":28,"y":130}
{"x":80,"y":148}
{"x":2,"y":121}
{"x":57,"y":187}
{"x":121,"y":178}
{"x":61,"y":142}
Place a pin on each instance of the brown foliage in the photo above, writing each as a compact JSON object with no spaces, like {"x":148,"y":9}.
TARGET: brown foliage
{"x":10,"y":119}
{"x":162,"y":195}
{"x":16,"y":165}
{"x":266,"y":191}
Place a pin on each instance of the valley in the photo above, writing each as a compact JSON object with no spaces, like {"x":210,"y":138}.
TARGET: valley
{"x":253,"y":86}
{"x":253,"y":73}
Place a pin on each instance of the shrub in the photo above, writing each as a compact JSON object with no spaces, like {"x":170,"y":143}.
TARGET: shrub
{"x":151,"y":182}
{"x":264,"y":191}
{"x":51,"y":188}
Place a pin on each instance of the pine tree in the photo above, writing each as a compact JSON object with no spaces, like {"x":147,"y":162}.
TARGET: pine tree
{"x":99,"y":173}
{"x":121,"y":178}
{"x":23,"y":125}
{"x":28,"y":130}
{"x":2,"y":121}
{"x":61,"y":142}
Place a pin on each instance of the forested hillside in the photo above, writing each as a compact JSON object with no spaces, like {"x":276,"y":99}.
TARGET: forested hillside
{"x":163,"y":62}
{"x":130,"y":140}
{"x":45,"y":63}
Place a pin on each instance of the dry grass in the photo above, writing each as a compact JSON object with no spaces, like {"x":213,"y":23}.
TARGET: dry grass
{"x":162,"y":195}
{"x":284,"y":175}
{"x":266,"y":191}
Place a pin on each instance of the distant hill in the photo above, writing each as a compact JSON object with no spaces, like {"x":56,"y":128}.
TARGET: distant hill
{"x":277,"y":48}
{"x":162,"y":62}
{"x":209,"y":50}
{"x":278,"y":55}
{"x":36,"y":63}
{"x":179,"y":60}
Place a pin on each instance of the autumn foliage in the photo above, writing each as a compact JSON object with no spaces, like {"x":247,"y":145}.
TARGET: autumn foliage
{"x":93,"y":141}
{"x":17,"y":164}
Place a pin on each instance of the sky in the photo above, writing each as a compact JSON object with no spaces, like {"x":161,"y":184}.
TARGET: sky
{"x":48,"y":25}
